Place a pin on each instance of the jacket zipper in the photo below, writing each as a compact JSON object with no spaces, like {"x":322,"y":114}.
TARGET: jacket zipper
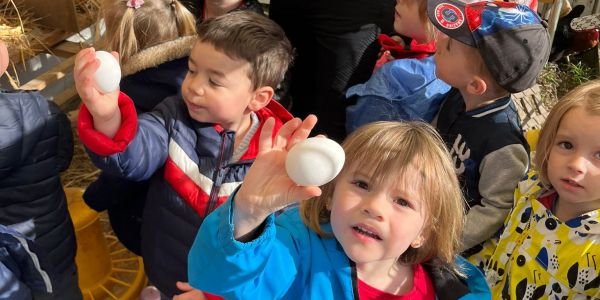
{"x":214,"y":191}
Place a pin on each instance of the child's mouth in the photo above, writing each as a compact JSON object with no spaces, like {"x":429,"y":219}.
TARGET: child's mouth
{"x":366,"y":232}
{"x":572,"y":183}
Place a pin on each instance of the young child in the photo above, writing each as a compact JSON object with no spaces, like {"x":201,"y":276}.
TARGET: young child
{"x":485,"y":51}
{"x":36,"y":144}
{"x":405,"y":88}
{"x":550,"y":242}
{"x":154,"y":38}
{"x":196,"y":148}
{"x":387,"y":227}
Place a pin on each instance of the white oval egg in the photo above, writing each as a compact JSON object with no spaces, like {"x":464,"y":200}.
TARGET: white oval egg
{"x":314,"y":161}
{"x":108,"y":75}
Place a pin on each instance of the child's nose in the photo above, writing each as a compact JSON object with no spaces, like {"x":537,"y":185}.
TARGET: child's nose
{"x":577,"y":163}
{"x":374,"y":206}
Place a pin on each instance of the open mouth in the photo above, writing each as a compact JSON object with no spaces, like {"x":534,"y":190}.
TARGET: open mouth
{"x":364,"y":231}
{"x":571,"y":183}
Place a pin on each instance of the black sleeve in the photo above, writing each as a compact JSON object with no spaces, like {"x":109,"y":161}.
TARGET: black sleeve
{"x":65,"y":136}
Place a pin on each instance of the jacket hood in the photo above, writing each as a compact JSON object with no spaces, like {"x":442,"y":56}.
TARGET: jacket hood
{"x":23,"y":116}
{"x":156,"y":55}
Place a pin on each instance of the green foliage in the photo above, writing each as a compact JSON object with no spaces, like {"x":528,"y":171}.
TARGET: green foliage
{"x":557,"y":80}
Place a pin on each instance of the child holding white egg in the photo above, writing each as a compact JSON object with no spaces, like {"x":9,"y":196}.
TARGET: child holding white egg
{"x":197,"y":147}
{"x":386,"y":227}
{"x":154,"y":38}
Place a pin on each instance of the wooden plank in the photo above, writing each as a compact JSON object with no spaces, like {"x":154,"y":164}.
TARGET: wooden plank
{"x":66,"y":98}
{"x":56,"y":73}
{"x":66,"y":49}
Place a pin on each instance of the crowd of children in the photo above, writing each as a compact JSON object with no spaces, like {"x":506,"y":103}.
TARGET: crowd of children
{"x":438,"y":197}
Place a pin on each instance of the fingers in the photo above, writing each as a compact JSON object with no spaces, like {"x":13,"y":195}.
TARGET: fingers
{"x":299,"y":193}
{"x":265,"y":141}
{"x":184,"y":286}
{"x":83,"y":73}
{"x":283,"y":135}
{"x":116,"y":55}
{"x":303,"y":131}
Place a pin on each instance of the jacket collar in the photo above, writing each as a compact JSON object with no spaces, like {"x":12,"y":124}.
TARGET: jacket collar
{"x":159,"y":54}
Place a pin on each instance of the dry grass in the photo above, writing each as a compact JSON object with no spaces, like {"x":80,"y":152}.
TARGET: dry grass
{"x":82,"y":171}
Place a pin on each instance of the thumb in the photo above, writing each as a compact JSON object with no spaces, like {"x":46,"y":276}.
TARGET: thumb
{"x":184,"y":286}
{"x":300,"y":193}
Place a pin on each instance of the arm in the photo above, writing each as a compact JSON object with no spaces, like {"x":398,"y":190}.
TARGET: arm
{"x":500,"y":171}
{"x":65,"y":137}
{"x":238,"y":252}
{"x":137,"y":149}
{"x":103,"y":107}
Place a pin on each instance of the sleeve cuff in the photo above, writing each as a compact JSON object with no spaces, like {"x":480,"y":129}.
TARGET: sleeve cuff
{"x":100,"y":143}
{"x":230,"y":245}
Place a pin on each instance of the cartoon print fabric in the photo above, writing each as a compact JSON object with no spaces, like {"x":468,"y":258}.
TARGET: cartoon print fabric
{"x":538,"y":256}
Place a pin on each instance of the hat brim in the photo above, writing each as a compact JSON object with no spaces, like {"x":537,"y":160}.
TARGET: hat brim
{"x":449,"y":17}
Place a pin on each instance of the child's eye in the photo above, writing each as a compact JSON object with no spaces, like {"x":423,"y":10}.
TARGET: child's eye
{"x":565,"y":145}
{"x":190,"y":71}
{"x":213,"y":83}
{"x":402,"y":202}
{"x":361,"y":184}
{"x":597,"y":155}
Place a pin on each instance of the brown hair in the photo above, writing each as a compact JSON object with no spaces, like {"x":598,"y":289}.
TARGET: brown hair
{"x":130,"y":30}
{"x":586,"y":96}
{"x":253,"y":38}
{"x":389,"y":148}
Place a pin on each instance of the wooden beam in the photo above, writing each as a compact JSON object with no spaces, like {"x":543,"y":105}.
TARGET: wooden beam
{"x":56,"y":73}
{"x":66,"y":49}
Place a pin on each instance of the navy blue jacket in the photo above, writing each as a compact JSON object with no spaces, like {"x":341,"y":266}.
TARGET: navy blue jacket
{"x":22,"y":272}
{"x":36,"y":143}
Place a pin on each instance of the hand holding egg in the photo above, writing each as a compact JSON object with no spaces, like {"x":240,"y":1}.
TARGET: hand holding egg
{"x":314,"y":161}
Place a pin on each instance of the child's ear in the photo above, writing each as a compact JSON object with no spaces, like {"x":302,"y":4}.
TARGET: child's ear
{"x":418,"y":241}
{"x":261,"y":98}
{"x":477,"y":86}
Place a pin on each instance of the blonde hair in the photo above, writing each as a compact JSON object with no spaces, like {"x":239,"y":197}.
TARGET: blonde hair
{"x":429,"y":28}
{"x":130,"y":30}
{"x":586,"y":96}
{"x":389,"y":148}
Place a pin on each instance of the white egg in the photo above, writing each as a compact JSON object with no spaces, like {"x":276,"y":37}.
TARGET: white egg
{"x":314,"y":161}
{"x":108,"y":75}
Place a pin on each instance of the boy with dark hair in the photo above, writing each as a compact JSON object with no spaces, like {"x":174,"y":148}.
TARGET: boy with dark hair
{"x":486,"y":50}
{"x":196,"y":148}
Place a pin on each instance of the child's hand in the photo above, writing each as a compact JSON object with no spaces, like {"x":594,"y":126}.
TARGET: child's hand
{"x":103,"y":107}
{"x":267,"y":187}
{"x":189,"y":293}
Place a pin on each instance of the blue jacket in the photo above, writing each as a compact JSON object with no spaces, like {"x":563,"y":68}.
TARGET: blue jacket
{"x":36,"y":144}
{"x":191,"y":170}
{"x":403,"y":89}
{"x":290,"y":261}
{"x":22,"y":273}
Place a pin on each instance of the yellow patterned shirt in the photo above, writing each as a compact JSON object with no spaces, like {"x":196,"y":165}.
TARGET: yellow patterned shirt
{"x":537,"y":256}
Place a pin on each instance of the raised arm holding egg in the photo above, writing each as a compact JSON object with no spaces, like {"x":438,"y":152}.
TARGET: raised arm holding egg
{"x":96,"y":78}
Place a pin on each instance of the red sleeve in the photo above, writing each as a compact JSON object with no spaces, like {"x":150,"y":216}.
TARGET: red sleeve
{"x":100,"y":143}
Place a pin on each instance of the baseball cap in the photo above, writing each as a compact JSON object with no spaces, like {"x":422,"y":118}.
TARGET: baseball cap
{"x":511,"y":38}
